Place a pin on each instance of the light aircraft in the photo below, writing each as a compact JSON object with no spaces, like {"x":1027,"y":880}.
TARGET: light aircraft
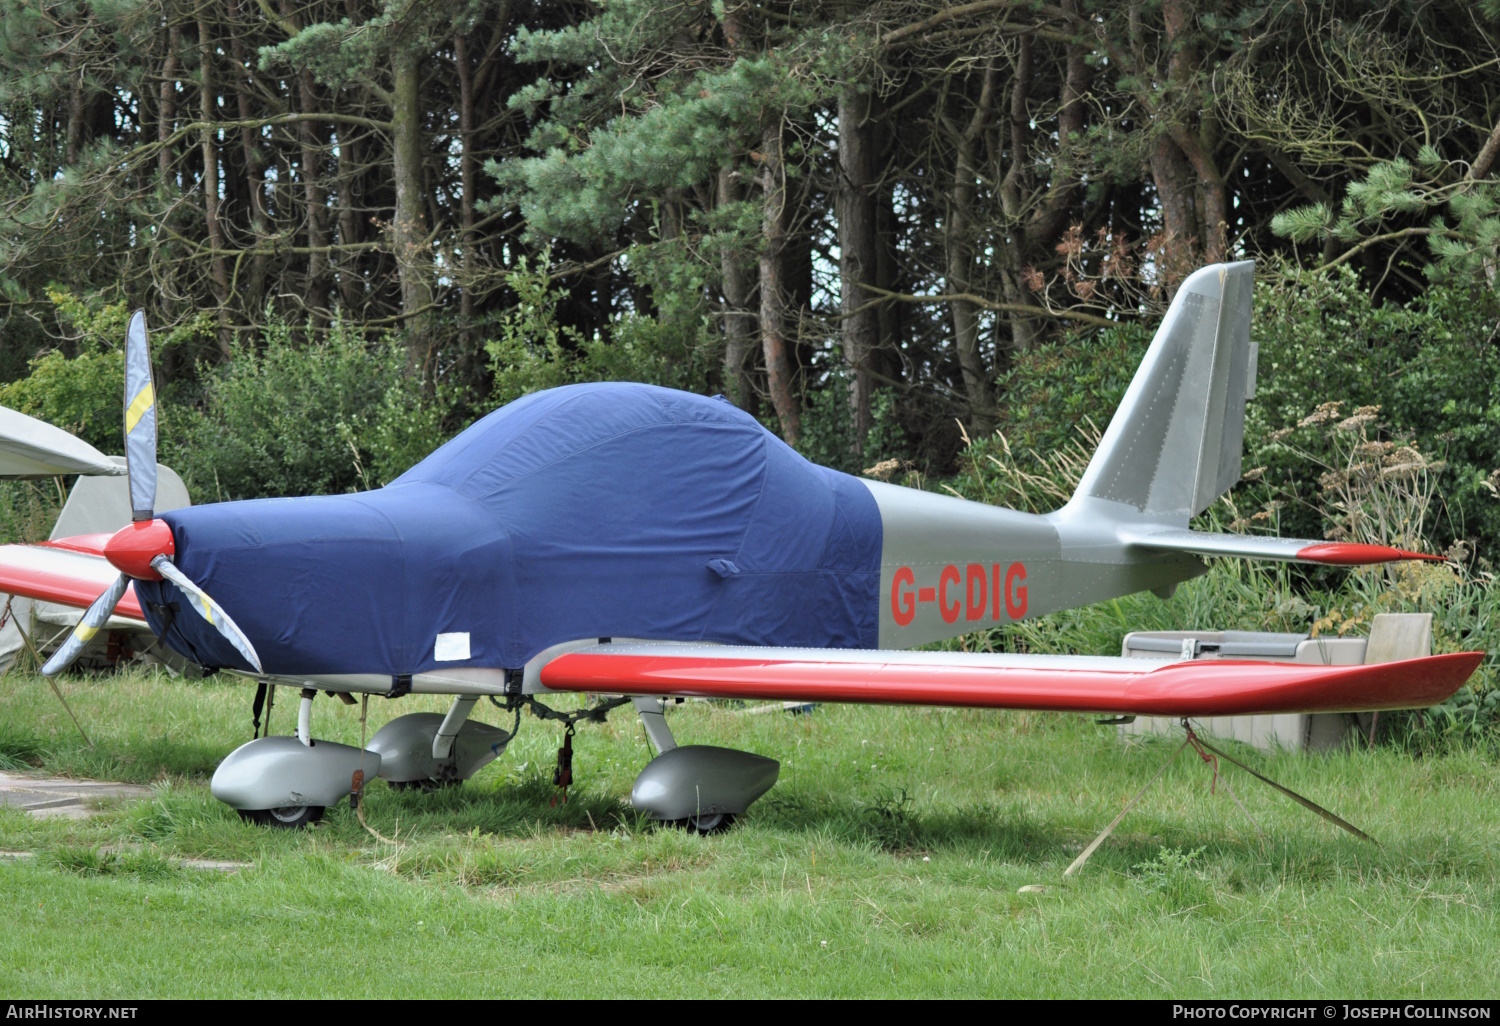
{"x":627,"y":540}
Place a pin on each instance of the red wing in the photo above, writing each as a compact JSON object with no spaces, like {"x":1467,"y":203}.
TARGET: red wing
{"x":91,"y":544}
{"x":68,"y":574}
{"x":984,"y":680}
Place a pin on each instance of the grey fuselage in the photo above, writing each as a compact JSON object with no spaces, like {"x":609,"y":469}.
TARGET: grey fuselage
{"x":950,"y":566}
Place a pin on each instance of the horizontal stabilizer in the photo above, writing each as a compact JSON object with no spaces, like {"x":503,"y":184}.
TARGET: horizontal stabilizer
{"x":1255,"y":546}
{"x":1002,"y":681}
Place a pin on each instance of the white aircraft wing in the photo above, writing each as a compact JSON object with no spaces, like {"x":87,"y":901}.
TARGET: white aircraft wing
{"x":34,"y":448}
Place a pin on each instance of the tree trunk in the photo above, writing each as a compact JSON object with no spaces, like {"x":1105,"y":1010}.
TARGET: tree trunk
{"x":1177,"y":198}
{"x":739,"y":318}
{"x":858,"y":246}
{"x":255,"y":171}
{"x":346,"y":265}
{"x":75,"y":114}
{"x":466,"y":172}
{"x":892,"y":316}
{"x":1192,"y":136}
{"x":1052,"y":217}
{"x":774,"y":315}
{"x":1189,"y":185}
{"x":166,"y":113}
{"x":1211,"y":199}
{"x":409,"y":226}
{"x":1024,"y":237}
{"x":978,"y":387}
{"x":218,"y":262}
{"x":315,"y":197}
{"x":738,"y":272}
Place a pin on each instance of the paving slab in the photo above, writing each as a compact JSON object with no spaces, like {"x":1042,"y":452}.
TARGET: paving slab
{"x":216,"y":865}
{"x":60,"y":796}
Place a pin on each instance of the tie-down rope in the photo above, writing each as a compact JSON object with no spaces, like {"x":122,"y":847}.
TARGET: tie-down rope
{"x":1208,"y":752}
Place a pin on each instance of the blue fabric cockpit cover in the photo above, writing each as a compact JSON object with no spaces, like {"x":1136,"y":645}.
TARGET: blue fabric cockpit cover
{"x":605,"y":510}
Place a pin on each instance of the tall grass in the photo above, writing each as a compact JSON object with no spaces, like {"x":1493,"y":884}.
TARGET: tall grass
{"x":28,"y":509}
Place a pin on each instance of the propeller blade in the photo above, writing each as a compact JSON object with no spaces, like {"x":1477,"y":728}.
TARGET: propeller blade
{"x":140,"y":420}
{"x":208,"y":610}
{"x":94,"y":618}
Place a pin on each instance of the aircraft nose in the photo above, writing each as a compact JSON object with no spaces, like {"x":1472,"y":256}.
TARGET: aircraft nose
{"x":134,"y":546}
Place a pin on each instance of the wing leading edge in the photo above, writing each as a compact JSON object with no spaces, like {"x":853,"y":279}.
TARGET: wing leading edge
{"x":998,"y":681}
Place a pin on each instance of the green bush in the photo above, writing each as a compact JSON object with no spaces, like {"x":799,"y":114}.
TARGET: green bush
{"x":1431,"y":366}
{"x":287,"y":418}
{"x":828,"y":432}
{"x":532,"y":351}
{"x":83,"y":394}
{"x":1053,"y":390}
{"x":28,"y":509}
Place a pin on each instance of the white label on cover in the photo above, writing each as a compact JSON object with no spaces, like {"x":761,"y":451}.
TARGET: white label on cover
{"x":451,"y":646}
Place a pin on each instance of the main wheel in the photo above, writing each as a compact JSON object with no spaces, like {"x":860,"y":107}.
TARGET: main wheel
{"x":290,"y":817}
{"x":708,"y":822}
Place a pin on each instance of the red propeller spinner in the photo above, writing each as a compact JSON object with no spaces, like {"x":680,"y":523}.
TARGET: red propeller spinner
{"x":134,"y":546}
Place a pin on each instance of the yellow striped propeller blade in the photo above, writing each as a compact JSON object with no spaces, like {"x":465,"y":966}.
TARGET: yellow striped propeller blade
{"x":140,"y":420}
{"x":95,"y":617}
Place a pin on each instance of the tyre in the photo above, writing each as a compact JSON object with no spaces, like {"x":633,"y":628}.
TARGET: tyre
{"x":707,"y":823}
{"x":291,"y":817}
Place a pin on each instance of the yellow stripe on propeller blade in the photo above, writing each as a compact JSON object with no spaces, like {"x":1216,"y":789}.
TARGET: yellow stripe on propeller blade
{"x":138,"y":407}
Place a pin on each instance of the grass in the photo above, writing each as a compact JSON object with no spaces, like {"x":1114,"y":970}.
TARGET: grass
{"x":886,"y":862}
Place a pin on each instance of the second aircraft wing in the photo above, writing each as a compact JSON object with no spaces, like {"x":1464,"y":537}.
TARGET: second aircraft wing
{"x":1003,"y":681}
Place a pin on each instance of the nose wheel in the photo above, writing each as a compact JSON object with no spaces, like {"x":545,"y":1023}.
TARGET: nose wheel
{"x":290,"y":817}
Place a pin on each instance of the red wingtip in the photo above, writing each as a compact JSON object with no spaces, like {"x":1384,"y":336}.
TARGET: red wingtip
{"x":1352,"y":554}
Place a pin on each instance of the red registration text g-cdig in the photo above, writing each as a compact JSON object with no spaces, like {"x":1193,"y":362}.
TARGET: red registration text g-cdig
{"x":974,"y":592}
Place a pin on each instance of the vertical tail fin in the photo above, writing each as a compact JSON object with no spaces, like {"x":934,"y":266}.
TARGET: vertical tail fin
{"x":1174,"y":443}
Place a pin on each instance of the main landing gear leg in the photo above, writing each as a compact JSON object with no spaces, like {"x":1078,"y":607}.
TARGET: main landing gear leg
{"x":447,"y":732}
{"x":304,"y":717}
{"x":657,"y":730}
